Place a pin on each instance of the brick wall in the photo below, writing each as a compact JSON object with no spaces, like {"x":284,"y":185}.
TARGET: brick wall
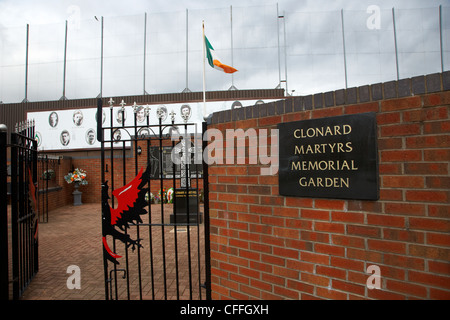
{"x":91,"y":163}
{"x":267,"y":246}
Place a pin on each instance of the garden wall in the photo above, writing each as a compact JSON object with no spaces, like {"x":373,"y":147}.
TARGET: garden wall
{"x":267,"y":246}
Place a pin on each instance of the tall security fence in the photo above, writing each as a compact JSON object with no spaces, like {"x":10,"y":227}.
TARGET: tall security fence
{"x":153,"y":53}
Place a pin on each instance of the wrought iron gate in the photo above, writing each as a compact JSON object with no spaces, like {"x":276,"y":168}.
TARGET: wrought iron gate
{"x":19,"y":206}
{"x":155,"y":215}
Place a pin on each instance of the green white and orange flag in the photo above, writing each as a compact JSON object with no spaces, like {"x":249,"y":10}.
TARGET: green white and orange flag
{"x":214,"y":61}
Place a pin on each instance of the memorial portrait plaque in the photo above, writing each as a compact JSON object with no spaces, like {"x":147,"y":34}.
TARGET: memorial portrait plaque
{"x":333,"y":157}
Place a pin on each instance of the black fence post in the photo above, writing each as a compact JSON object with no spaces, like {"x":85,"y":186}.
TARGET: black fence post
{"x":206,"y":216}
{"x":4,"y":261}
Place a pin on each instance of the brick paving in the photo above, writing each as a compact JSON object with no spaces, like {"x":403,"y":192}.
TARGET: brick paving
{"x":73,"y":237}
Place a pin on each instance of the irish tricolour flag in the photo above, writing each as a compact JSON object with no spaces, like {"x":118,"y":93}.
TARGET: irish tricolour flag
{"x":214,"y":61}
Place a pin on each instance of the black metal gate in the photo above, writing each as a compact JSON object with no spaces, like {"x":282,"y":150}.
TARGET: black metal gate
{"x":18,"y":210}
{"x":155,"y":214}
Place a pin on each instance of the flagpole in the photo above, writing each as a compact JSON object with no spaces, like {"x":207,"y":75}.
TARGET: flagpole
{"x":205,"y":116}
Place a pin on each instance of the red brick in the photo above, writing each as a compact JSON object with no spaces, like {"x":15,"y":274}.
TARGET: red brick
{"x":438,"y":239}
{"x":227,"y":197}
{"x":364,"y":231}
{"x":354,"y":217}
{"x":400,"y":130}
{"x":238,"y":243}
{"x":348,"y":287}
{"x":314,"y":258}
{"x":438,"y":182}
{"x":401,"y":155}
{"x":273,"y":201}
{"x":403,"y":182}
{"x":425,"y":114}
{"x":261,"y":209}
{"x":327,"y":112}
{"x":329,"y":204}
{"x":250,"y":199}
{"x":403,"y":235}
{"x":314,"y":279}
{"x":429,"y":224}
{"x":386,"y":220}
{"x":274,"y":221}
{"x":390,"y":168}
{"x":390,"y":143}
{"x":428,"y":252}
{"x":385,"y":295}
{"x":274,"y":260}
{"x":388,"y":118}
{"x":345,"y":263}
{"x":300,"y":286}
{"x":407,"y":288}
{"x":314,"y":214}
{"x":363,"y":107}
{"x":286,"y":212}
{"x":247,"y":179}
{"x":226,"y":179}
{"x":426,"y":168}
{"x":238,"y":225}
{"x":405,"y":208}
{"x":315,"y":236}
{"x":299,"y":202}
{"x":251,"y":255}
{"x":269,"y":121}
{"x":236,"y":207}
{"x":299,"y":224}
{"x":439,"y":267}
{"x":286,"y":253}
{"x":236,"y":188}
{"x":236,"y":171}
{"x":437,"y":154}
{"x":439,"y":211}
{"x":408,"y":262}
{"x":436,"y":99}
{"x":437,"y":127}
{"x":260,"y":247}
{"x":427,"y":196}
{"x":329,"y":227}
{"x":291,"y":294}
{"x":387,"y":246}
{"x":348,"y":241}
{"x":286,"y":233}
{"x":401,"y":104}
{"x":436,"y":294}
{"x":329,"y":249}
{"x":428,"y":141}
{"x":429,"y":279}
{"x":364,"y":205}
{"x":260,"y":190}
{"x":331,"y":294}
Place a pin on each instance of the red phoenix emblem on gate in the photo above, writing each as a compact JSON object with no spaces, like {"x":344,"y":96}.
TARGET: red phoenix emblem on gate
{"x":131,"y":205}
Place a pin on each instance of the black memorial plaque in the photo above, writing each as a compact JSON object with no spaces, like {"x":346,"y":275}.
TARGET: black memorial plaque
{"x":333,"y":157}
{"x":181,"y":206}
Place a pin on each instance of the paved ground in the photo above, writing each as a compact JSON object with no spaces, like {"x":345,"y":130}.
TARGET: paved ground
{"x":73,"y":237}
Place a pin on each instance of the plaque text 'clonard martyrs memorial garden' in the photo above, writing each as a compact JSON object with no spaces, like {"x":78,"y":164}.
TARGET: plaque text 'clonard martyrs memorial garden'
{"x":333,"y":157}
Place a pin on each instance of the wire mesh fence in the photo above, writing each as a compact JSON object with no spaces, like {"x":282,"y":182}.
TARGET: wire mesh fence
{"x":302,"y":52}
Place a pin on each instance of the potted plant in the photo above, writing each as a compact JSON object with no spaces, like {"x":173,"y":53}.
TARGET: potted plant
{"x":48,"y":174}
{"x":77,"y":177}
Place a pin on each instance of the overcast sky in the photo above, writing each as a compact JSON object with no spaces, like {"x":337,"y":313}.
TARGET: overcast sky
{"x":314,"y":46}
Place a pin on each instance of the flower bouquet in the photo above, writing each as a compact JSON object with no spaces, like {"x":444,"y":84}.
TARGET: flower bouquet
{"x":149,"y":197}
{"x":77,"y":176}
{"x":170,"y":195}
